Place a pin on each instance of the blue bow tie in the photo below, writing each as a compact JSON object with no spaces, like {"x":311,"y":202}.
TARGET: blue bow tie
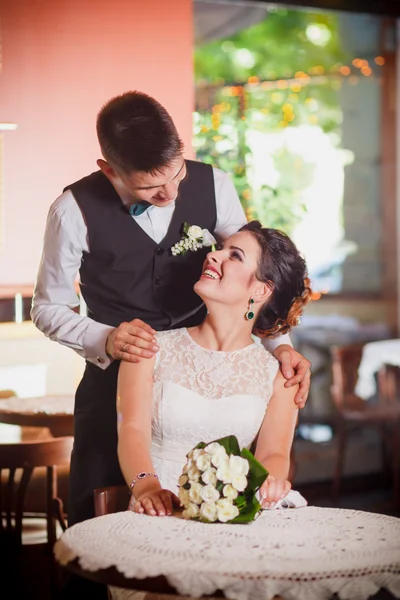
{"x":137,"y":209}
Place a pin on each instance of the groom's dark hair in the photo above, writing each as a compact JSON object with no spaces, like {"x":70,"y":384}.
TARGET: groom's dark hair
{"x":136,"y":133}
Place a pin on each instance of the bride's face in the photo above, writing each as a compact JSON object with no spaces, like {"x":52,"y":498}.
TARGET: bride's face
{"x":228,"y":274}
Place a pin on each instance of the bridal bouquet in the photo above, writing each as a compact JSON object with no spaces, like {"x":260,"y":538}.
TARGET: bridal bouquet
{"x":219,"y":483}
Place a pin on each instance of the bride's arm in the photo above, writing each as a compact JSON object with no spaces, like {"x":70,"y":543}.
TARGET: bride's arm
{"x":134,"y":410}
{"x":134,"y":400}
{"x":275,"y":440}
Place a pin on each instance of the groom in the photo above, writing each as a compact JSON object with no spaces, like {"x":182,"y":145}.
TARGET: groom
{"x":116,"y":228}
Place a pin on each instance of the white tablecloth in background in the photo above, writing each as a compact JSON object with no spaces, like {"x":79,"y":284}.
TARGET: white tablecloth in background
{"x":375,"y":354}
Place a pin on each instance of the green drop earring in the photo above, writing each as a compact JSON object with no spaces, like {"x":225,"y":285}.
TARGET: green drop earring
{"x":250,"y":313}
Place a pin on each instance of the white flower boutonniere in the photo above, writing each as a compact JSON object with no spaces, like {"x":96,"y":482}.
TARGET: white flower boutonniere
{"x":193,"y":238}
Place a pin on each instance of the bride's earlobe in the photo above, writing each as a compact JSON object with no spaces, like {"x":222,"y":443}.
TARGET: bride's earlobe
{"x":250,"y":312}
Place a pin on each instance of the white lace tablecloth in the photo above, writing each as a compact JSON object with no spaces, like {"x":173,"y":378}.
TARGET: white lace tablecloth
{"x":45,"y":405}
{"x":375,"y":355}
{"x":301,"y":554}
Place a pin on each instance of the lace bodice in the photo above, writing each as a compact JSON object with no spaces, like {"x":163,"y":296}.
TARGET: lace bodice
{"x":211,"y":373}
{"x":201,"y":395}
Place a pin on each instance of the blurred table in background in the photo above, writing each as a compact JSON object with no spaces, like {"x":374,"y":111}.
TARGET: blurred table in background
{"x":53,"y":412}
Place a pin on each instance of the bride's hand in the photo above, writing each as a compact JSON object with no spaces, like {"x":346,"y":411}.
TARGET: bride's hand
{"x":156,"y":503}
{"x":273,"y":490}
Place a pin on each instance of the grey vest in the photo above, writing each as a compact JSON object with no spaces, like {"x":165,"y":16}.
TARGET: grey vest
{"x":127,"y":275}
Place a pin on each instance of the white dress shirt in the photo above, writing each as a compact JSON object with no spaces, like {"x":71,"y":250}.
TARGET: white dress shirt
{"x":66,"y":239}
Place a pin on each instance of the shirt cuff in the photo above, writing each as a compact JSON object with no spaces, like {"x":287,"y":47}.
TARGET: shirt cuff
{"x":95,"y":339}
{"x":272,"y":344}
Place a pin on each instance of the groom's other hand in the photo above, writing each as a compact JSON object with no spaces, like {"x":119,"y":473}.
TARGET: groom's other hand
{"x":132,"y":341}
{"x":296,"y":369}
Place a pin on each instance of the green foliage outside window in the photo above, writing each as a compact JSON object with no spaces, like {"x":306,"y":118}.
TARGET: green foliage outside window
{"x":283,"y":72}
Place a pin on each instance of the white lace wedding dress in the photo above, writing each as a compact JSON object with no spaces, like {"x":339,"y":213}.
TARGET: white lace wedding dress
{"x":201,"y":395}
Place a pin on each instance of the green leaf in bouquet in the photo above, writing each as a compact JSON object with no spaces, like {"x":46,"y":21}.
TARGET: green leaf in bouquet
{"x":240,"y":501}
{"x":200,"y":446}
{"x":220,"y":486}
{"x":230,"y":443}
{"x":185,"y":227}
{"x":249,"y":512}
{"x":257,"y":473}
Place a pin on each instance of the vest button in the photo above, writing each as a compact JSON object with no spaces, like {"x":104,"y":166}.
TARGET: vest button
{"x":160,"y":251}
{"x":158,"y":280}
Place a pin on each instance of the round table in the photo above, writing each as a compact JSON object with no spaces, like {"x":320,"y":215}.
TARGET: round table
{"x":308,"y":553}
{"x":54,"y":412}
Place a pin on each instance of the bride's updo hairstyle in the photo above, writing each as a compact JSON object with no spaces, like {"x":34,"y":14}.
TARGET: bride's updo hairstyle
{"x":282,"y":267}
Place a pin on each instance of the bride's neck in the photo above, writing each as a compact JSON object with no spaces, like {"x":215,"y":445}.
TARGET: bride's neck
{"x":225,"y":331}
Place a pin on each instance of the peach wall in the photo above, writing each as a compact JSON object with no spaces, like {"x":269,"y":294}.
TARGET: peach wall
{"x":61,"y":60}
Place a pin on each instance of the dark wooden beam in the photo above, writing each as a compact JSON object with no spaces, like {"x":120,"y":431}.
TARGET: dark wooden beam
{"x":376,"y":7}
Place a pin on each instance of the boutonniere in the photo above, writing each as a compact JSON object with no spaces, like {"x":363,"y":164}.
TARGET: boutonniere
{"x":193,"y":238}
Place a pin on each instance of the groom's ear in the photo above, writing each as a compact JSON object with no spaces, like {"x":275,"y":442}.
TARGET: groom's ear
{"x":107,"y":169}
{"x":262,"y":292}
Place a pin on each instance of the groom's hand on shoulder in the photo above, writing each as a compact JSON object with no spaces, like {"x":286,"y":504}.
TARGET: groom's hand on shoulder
{"x":132,"y":341}
{"x":296,"y":369}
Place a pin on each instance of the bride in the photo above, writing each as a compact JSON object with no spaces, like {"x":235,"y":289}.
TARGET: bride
{"x":214,"y":380}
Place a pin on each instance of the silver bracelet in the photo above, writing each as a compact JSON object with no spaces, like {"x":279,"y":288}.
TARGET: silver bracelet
{"x":140,"y":476}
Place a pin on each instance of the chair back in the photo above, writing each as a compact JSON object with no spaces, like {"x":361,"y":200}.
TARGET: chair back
{"x":26,"y":456}
{"x":389,"y":384}
{"x":345,"y":363}
{"x":110,"y":500}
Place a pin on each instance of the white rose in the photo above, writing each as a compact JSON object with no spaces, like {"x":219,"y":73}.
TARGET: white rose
{"x":220,"y":459}
{"x":210,"y":476}
{"x":208,"y":510}
{"x":195,"y":232}
{"x":195,"y":493}
{"x":226,"y":510}
{"x":184,"y":496}
{"x":191,"y":511}
{"x":197,"y":453}
{"x":182,"y":479}
{"x":193,"y":473}
{"x":190,"y":454}
{"x":203,"y":462}
{"x":224,"y":473}
{"x":239,"y":482}
{"x":213,"y":448}
{"x":209,"y":493}
{"x":238,"y":465}
{"x":208,"y":238}
{"x":229,"y":492}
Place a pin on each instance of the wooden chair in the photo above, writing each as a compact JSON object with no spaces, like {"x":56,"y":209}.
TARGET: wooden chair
{"x":26,"y":456}
{"x":21,"y":562}
{"x":355,"y":412}
{"x":389,"y":383}
{"x":110,"y":500}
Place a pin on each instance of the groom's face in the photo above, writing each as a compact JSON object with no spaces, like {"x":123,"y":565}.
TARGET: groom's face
{"x":159,"y":188}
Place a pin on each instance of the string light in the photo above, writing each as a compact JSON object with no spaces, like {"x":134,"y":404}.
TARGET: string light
{"x":297,"y":81}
